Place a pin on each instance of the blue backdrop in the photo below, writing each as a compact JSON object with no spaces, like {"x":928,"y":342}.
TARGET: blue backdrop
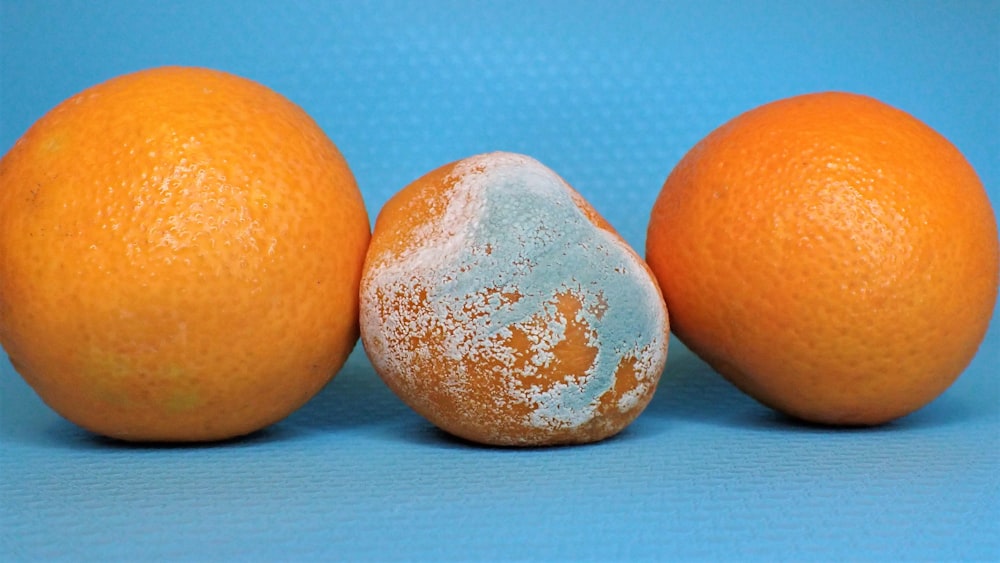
{"x":610,"y":95}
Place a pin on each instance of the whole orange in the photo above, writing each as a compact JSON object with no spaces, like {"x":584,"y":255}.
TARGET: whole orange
{"x":180,"y":254}
{"x":499,"y":305}
{"x":830,"y":255}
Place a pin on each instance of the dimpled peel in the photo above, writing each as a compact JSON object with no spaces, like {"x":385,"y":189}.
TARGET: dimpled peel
{"x":509,"y":312}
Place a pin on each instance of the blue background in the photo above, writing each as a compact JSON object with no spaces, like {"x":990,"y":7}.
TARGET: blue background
{"x":610,"y":95}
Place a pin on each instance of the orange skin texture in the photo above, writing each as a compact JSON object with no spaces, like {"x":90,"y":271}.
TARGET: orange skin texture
{"x":830,"y":255}
{"x":487,"y":408}
{"x":180,"y":254}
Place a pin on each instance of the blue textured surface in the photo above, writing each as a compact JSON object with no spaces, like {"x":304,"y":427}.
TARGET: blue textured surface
{"x":610,"y":95}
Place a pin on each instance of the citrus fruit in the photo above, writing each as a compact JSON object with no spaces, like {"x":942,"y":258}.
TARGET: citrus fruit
{"x":830,"y":255}
{"x":501,"y":307}
{"x":180,"y":254}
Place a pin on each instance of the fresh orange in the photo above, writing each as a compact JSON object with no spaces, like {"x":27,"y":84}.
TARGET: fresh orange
{"x":501,"y":307}
{"x":180,"y":254}
{"x":830,"y":255}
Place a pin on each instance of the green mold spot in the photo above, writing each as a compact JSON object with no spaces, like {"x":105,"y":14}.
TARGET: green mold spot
{"x":109,"y":375}
{"x":182,"y":401}
{"x":105,"y":376}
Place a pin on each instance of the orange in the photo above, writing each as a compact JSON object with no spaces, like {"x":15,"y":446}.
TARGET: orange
{"x":499,"y":305}
{"x":832,"y":256}
{"x":180,"y":253}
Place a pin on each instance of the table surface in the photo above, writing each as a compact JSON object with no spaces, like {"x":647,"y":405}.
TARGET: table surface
{"x":610,"y":95}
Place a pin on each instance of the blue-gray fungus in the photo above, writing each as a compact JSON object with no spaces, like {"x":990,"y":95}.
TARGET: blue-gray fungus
{"x":506,"y":312}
